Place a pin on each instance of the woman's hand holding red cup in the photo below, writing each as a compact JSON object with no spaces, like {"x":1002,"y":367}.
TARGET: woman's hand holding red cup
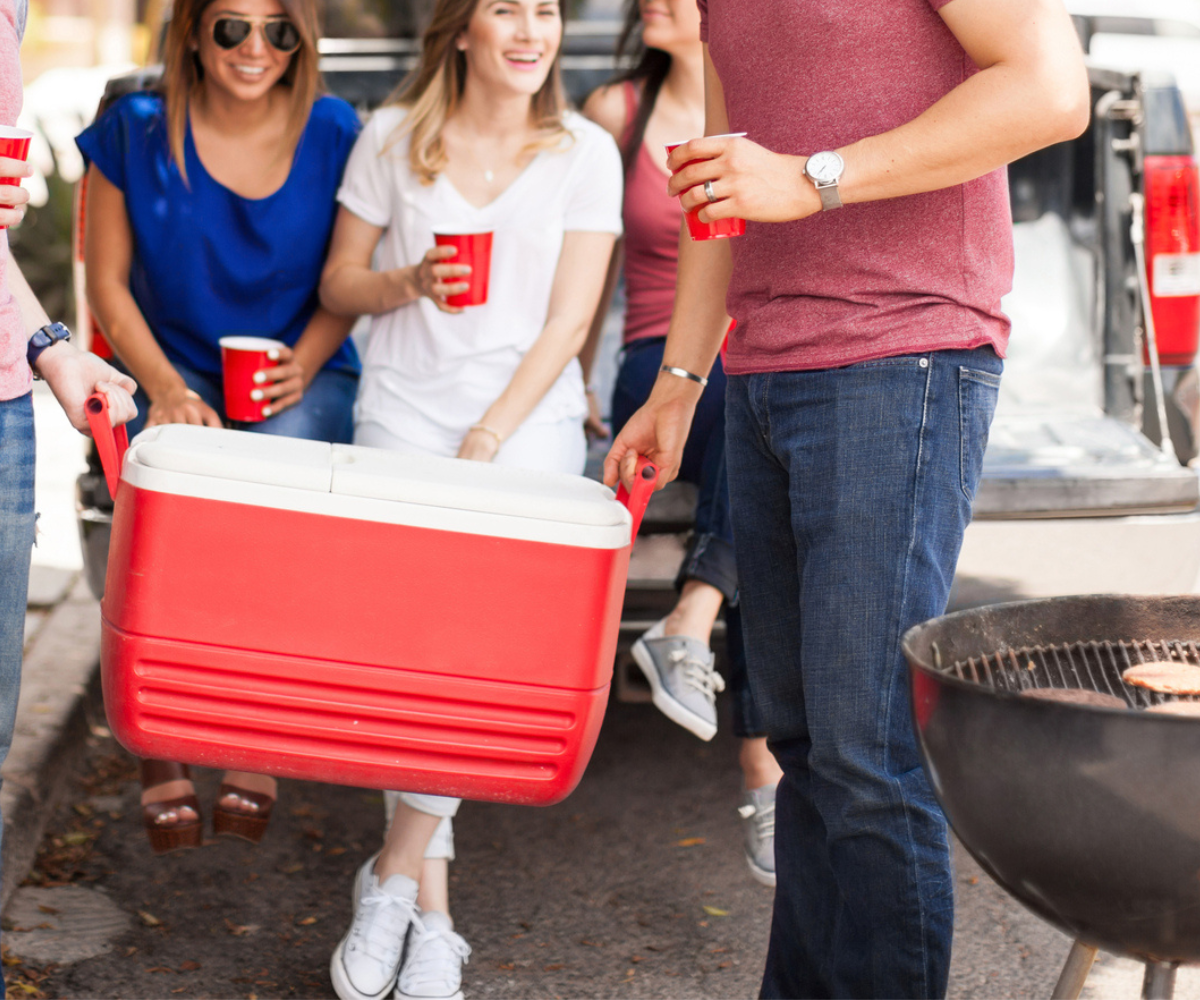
{"x":282,"y":385}
{"x":748,"y":181}
{"x":13,"y":197}
{"x":436,"y":280}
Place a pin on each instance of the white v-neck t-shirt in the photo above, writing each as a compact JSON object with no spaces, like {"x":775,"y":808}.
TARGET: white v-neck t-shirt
{"x":429,"y":375}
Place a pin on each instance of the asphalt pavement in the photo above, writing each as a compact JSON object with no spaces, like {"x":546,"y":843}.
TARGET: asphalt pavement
{"x":635,"y":886}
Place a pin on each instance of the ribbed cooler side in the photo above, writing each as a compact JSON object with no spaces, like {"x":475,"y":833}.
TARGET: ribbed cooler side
{"x":356,"y":652}
{"x":347,"y":723}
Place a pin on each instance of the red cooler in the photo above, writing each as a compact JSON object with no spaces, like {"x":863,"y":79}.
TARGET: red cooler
{"x":362,"y":617}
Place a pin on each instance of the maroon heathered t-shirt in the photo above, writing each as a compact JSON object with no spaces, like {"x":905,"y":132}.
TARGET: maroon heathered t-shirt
{"x":874,"y":279}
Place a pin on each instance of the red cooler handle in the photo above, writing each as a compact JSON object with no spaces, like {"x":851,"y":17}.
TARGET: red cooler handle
{"x":111,"y":442}
{"x":644,"y":477}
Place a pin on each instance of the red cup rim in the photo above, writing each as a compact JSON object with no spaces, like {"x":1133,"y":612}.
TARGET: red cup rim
{"x":250,"y":344}
{"x":9,"y":132}
{"x":724,"y":135}
{"x":455,"y":231}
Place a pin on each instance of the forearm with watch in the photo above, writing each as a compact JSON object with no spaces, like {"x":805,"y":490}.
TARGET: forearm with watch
{"x":43,"y":335}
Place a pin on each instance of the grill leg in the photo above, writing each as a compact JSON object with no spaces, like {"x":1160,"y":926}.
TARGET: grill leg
{"x":1075,"y":972}
{"x":1159,"y":983}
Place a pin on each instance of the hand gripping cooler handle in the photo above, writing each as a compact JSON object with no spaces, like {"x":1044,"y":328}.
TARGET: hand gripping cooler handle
{"x":111,"y":442}
{"x":644,"y":477}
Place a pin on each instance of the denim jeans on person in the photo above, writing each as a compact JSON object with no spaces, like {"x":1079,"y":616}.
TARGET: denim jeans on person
{"x":326,"y":413}
{"x":850,"y":491}
{"x":17,"y":520}
{"x":710,"y":556}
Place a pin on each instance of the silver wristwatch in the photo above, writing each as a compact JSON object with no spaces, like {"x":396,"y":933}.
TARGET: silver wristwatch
{"x":825,"y":170}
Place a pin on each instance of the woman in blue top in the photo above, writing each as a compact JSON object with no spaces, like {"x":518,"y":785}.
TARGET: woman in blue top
{"x":210,"y":207}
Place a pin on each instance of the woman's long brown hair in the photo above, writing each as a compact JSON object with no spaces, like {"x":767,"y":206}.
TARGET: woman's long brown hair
{"x":433,"y":90}
{"x":183,"y":76}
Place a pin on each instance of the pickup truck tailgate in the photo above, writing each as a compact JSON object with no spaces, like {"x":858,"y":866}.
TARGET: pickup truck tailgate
{"x":1077,"y":464}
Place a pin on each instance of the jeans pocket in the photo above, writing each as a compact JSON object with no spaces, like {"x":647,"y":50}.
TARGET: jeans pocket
{"x":977,"y":394}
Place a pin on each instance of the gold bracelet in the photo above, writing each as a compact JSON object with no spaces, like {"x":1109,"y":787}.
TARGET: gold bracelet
{"x":489,"y":430}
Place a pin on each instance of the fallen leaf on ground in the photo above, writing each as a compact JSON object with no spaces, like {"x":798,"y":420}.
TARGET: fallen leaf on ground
{"x":49,"y":909}
{"x":689,"y":842}
{"x":77,"y":837}
{"x":159,"y":968}
{"x":307,"y":921}
{"x":189,"y":966}
{"x":292,"y":869}
{"x":240,"y":930}
{"x":716,"y":911}
{"x":149,"y":919}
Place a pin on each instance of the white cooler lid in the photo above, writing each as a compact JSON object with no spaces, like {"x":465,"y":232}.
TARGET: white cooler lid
{"x":372,"y":484}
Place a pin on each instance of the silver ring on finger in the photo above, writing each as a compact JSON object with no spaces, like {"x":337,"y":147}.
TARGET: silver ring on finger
{"x":709,"y":193}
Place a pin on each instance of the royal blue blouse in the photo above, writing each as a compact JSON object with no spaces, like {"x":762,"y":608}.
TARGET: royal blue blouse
{"x":208,"y":263}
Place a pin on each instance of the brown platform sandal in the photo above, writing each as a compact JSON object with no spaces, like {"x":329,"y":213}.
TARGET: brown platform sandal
{"x":166,"y":830}
{"x":240,"y":812}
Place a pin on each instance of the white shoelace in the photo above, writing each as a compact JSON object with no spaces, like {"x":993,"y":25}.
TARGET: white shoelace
{"x":698,"y":674}
{"x":381,"y":920}
{"x":436,"y":961}
{"x":764,"y":819}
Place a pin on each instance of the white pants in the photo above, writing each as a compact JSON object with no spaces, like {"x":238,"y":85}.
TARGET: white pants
{"x":556,"y":447}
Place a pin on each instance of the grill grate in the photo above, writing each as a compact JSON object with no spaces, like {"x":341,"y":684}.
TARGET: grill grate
{"x":1091,"y":666}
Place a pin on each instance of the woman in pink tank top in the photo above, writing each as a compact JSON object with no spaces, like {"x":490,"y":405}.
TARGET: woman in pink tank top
{"x":661,"y":100}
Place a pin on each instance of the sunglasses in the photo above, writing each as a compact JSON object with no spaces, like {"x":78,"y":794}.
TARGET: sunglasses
{"x":230,"y":31}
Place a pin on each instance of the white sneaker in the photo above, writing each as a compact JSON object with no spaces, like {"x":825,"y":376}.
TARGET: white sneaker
{"x":367,"y":960}
{"x":433,"y":959}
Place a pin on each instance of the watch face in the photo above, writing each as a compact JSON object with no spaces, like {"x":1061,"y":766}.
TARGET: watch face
{"x":824,"y":168}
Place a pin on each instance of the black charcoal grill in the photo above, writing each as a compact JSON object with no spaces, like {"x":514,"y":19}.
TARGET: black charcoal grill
{"x":1089,"y":816}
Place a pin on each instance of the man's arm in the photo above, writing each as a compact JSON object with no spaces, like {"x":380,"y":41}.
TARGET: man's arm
{"x":1031,"y":91}
{"x":72,"y":374}
{"x":660,"y":428}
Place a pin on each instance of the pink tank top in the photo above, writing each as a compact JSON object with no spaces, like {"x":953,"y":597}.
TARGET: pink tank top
{"x":651,"y":239}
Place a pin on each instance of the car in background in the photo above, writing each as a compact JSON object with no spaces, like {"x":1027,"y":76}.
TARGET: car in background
{"x":1144,"y":35}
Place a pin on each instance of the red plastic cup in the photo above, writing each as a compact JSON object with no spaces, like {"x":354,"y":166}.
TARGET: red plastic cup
{"x":14,"y":143}
{"x":722,"y":228}
{"x":241,"y":357}
{"x":474,"y":249}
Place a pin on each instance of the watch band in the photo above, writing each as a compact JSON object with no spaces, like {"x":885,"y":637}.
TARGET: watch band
{"x":47,"y":336}
{"x":830,"y":196}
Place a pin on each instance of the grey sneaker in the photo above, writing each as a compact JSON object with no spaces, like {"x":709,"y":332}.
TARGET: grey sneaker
{"x":758,"y":818}
{"x":433,"y":959}
{"x":366,"y":962}
{"x":682,"y":679}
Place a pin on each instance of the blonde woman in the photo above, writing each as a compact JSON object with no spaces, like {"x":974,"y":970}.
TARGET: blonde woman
{"x":478,"y":139}
{"x":210,"y":206}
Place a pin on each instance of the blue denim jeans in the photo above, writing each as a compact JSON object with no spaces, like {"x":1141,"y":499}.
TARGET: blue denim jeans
{"x":709,"y":557}
{"x":850,"y":490}
{"x":326,"y":413}
{"x":17,"y":521}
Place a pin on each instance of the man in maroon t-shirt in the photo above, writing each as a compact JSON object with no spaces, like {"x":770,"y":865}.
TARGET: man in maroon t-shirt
{"x":863,"y":374}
